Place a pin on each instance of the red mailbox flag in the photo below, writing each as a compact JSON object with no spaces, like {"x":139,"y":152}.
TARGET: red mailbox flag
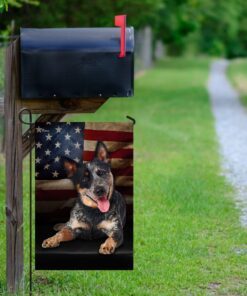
{"x":120,"y":21}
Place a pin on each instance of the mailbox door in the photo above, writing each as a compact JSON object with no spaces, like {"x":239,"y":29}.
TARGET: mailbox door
{"x":76,"y":63}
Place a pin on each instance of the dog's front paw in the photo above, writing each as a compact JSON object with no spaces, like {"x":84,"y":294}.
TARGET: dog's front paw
{"x":108,"y":247}
{"x":51,"y":242}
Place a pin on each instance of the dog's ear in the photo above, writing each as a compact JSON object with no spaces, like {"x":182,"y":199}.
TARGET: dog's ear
{"x":101,"y":152}
{"x":70,"y":166}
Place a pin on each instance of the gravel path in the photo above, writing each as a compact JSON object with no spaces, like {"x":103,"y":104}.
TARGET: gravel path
{"x":231,"y":128}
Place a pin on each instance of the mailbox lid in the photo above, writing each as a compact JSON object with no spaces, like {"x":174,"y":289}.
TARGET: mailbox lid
{"x":72,"y":39}
{"x":76,"y":62}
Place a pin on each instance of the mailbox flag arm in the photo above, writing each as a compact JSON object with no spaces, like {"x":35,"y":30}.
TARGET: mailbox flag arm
{"x":120,"y":21}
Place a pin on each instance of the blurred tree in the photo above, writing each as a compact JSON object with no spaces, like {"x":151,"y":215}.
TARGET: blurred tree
{"x":219,"y":26}
{"x":214,"y":26}
{"x":16,"y":3}
{"x":211,"y":27}
{"x":57,"y":13}
{"x":3,"y":5}
{"x":238,"y":46}
{"x":176,"y":20}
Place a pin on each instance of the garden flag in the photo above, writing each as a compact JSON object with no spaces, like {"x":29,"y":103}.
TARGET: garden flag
{"x":84,"y":195}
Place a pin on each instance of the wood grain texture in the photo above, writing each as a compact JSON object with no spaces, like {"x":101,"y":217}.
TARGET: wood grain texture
{"x":63,"y":106}
{"x":14,"y":202}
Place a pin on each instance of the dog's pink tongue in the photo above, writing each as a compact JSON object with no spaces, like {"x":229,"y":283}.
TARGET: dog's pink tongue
{"x":103,"y":204}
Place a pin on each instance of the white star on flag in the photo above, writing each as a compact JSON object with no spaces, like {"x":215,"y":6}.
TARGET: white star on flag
{"x":57,"y":145}
{"x":38,"y":129}
{"x":77,"y":145}
{"x":76,"y":159}
{"x":67,"y":136}
{"x":47,"y":166}
{"x":77,"y":130}
{"x":38,"y":145}
{"x":58,"y":129}
{"x":57,"y":158}
{"x":67,"y":152}
{"x":47,"y":152}
{"x":37,"y":160}
{"x":55,"y":174}
{"x":48,"y":137}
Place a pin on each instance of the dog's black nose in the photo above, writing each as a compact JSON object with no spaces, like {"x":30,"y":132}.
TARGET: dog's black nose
{"x":99,"y":191}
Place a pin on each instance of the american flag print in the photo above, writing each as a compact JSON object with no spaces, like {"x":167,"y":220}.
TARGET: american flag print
{"x":54,"y":142}
{"x":54,"y":191}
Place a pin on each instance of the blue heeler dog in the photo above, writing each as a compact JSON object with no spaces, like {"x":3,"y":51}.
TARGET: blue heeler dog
{"x":99,"y":210}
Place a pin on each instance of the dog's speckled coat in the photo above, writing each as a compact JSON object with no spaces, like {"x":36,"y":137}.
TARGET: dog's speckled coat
{"x":93,"y":181}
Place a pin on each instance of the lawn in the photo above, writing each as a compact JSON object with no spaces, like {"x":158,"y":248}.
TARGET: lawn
{"x":2,"y":53}
{"x":237,"y":72}
{"x":188,"y":239}
{"x":1,"y":69}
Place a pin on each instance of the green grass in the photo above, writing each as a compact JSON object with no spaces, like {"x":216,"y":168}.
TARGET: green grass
{"x":187,"y":229}
{"x":237,"y":72}
{"x":1,"y":69}
{"x":2,"y":52}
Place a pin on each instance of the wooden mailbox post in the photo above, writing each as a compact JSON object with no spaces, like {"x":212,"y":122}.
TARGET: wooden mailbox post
{"x":17,"y":148}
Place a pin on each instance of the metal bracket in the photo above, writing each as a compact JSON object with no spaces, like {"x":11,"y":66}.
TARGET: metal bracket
{"x":132,"y":119}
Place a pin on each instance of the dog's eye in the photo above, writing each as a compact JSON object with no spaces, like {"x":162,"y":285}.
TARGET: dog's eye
{"x":100,"y":173}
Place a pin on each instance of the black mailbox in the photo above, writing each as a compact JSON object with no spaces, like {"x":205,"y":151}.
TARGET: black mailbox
{"x":76,"y":63}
